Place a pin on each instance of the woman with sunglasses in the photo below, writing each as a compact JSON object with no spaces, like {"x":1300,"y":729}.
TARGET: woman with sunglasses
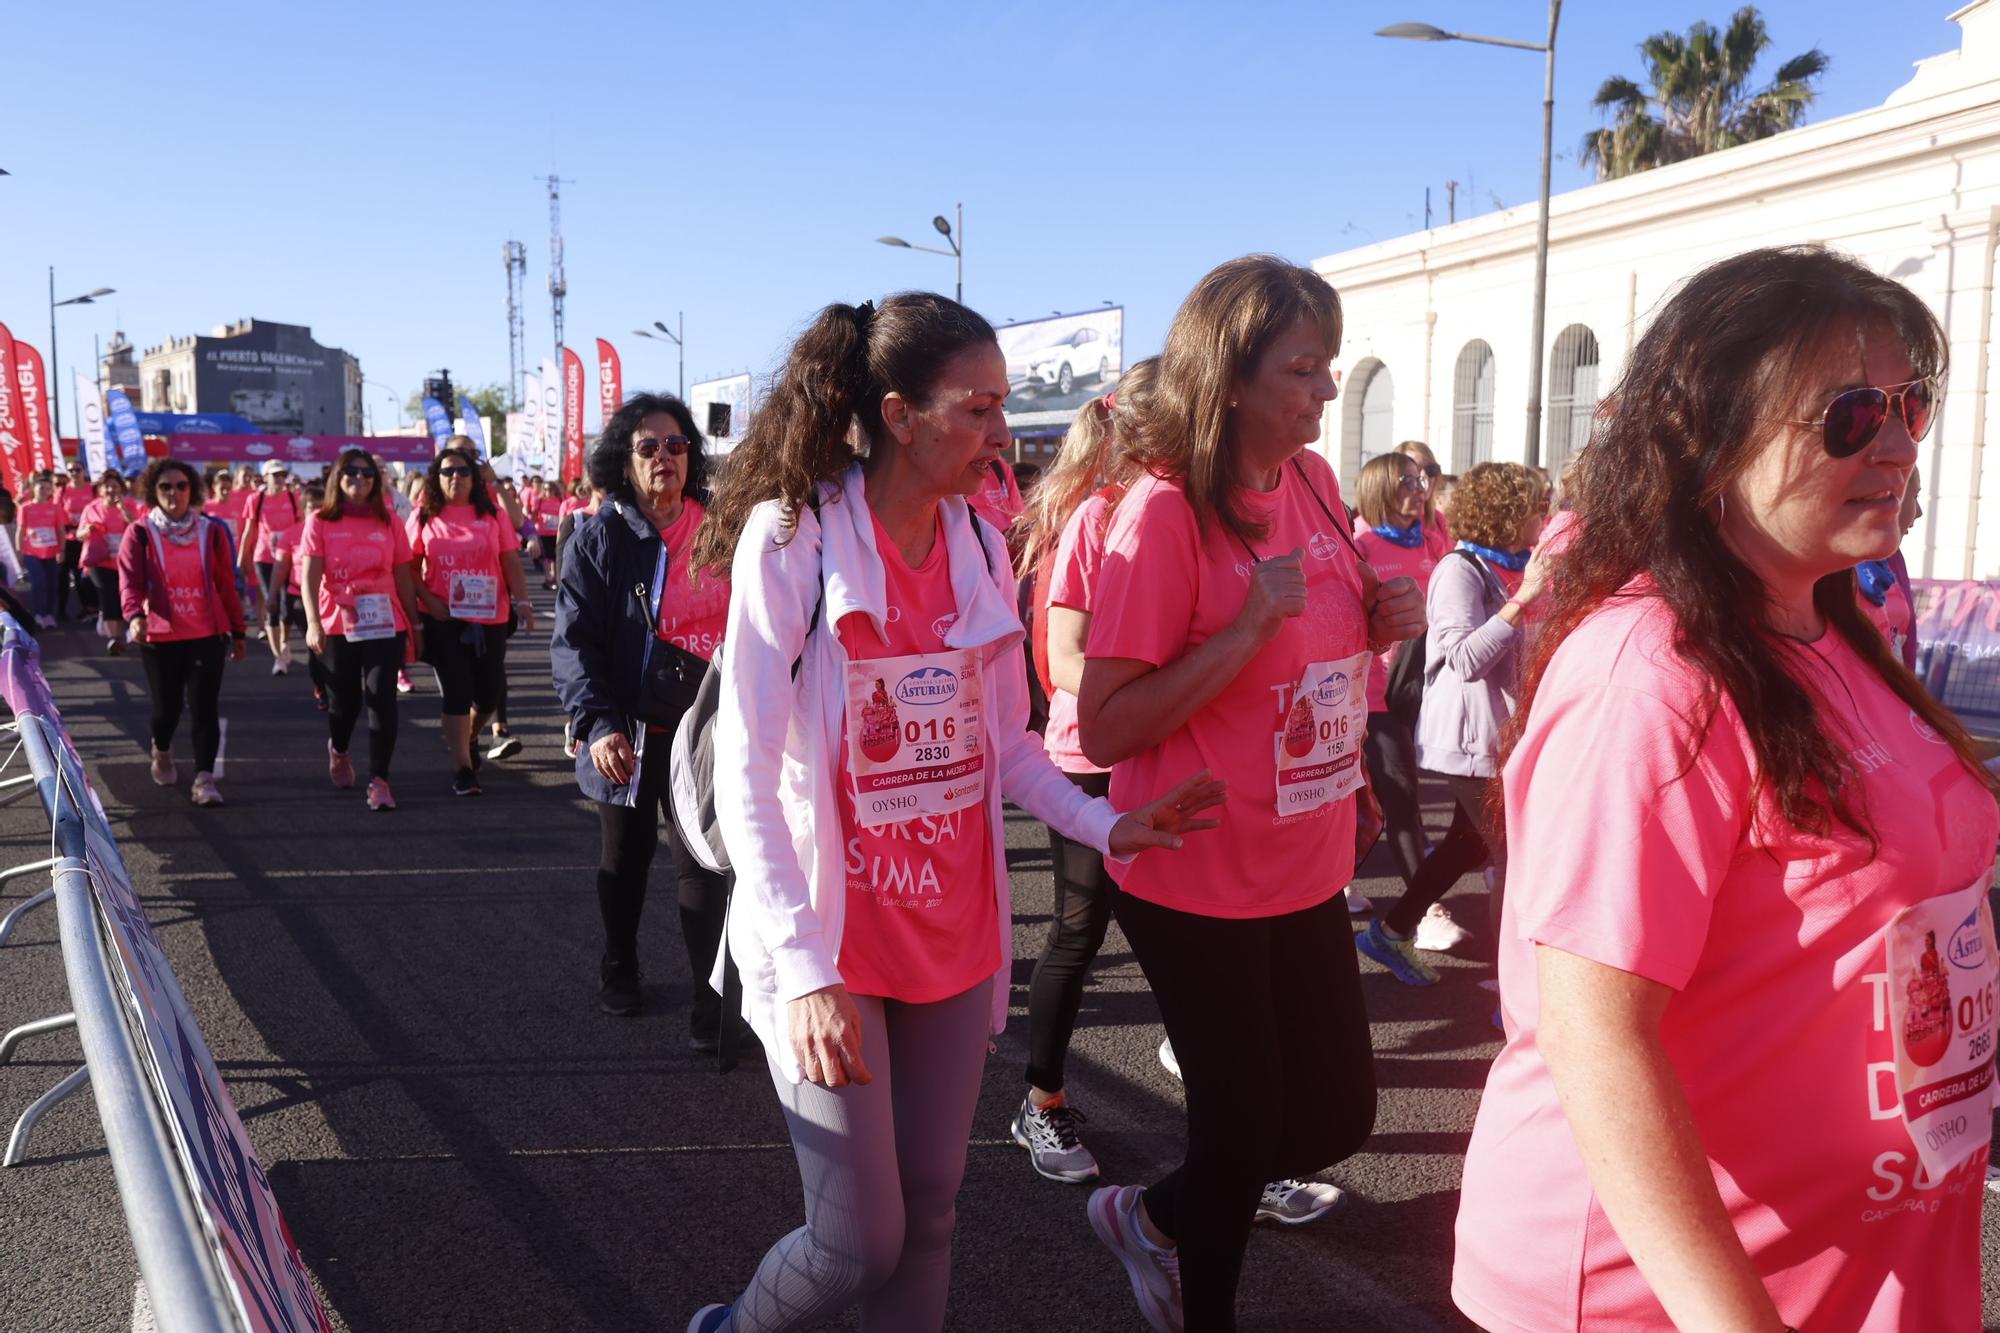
{"x":101,"y":528}
{"x":39,"y":538}
{"x":272,"y":520}
{"x":1747,"y":1078}
{"x":470,"y":584}
{"x":1437,"y":530}
{"x":177,"y":585}
{"x":361,"y":607}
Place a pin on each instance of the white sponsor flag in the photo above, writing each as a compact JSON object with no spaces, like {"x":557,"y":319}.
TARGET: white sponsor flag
{"x":517,"y":440}
{"x":551,"y":424}
{"x":527,"y":446}
{"x":90,"y":412}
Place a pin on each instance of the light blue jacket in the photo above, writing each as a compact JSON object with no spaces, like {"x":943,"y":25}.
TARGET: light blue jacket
{"x":1472,"y":670}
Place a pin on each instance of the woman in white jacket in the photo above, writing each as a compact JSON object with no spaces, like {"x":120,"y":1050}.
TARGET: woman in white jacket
{"x":874,"y":688}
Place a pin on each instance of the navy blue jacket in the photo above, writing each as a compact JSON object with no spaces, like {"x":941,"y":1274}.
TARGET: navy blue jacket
{"x":612,"y":568}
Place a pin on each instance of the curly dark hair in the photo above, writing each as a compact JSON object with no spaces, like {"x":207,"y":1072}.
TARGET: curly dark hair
{"x":1493,"y":501}
{"x":611,"y":454}
{"x":433,"y":501}
{"x":149,"y":480}
{"x":1727,"y":355}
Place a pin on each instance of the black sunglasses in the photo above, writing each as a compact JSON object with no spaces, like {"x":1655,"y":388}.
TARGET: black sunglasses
{"x":675,"y":445}
{"x":1855,"y":417}
{"x":454,"y":472}
{"x":170,"y":486}
{"x":351,"y":472}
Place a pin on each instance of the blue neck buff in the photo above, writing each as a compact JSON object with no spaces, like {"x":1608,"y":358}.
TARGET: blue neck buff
{"x":1515,"y":561}
{"x":1410,"y":538}
{"x":1875,"y":579}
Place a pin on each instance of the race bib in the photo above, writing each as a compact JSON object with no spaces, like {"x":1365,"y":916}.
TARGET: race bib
{"x":913,"y":735}
{"x":41,"y":538}
{"x":1319,"y":752}
{"x":113,"y":540}
{"x":1941,"y":1005}
{"x":373,"y":617}
{"x":475,"y":596}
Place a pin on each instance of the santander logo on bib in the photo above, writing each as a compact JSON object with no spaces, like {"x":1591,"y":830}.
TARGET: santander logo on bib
{"x":1323,"y":547}
{"x":927,"y":685}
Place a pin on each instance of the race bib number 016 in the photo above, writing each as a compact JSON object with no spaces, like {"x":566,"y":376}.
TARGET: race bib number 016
{"x":1941,"y":1005}
{"x":374,"y":617}
{"x":474,"y":596}
{"x":914,"y":743}
{"x":1319,"y":752}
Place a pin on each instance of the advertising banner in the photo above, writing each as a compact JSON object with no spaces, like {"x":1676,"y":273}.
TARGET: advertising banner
{"x":572,"y":444}
{"x":1061,"y":363}
{"x":549,"y":422}
{"x":298,"y":449}
{"x":276,"y":376}
{"x":33,"y":378}
{"x":90,"y":426}
{"x":517,"y":435}
{"x":525,"y":448}
{"x":125,"y":432}
{"x":475,"y":426}
{"x":721,"y":411}
{"x":439,"y":421}
{"x":1958,"y":647}
{"x":195,"y":423}
{"x":14,"y":449}
{"x":610,"y":383}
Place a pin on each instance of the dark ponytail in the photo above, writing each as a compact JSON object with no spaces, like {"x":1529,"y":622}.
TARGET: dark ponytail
{"x":833,"y":380}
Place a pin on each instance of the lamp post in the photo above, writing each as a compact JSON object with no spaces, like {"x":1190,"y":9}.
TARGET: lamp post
{"x":1424,"y":32}
{"x":952,"y":238}
{"x":667,"y":335}
{"x":55,"y":366}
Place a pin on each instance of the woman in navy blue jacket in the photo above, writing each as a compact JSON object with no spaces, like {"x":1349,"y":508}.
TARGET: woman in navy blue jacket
{"x":634,"y":630}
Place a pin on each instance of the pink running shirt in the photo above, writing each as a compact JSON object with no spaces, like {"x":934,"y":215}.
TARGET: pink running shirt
{"x":459,"y":540}
{"x":1166,"y":588}
{"x":1079,"y":555}
{"x":361,"y":554}
{"x":107,"y":522}
{"x":277,"y":516}
{"x":999,"y":501}
{"x":41,"y":529}
{"x":920,"y":894}
{"x":1394,"y":562}
{"x":1774,"y":941}
{"x":693,"y":610}
{"x":187,"y":590}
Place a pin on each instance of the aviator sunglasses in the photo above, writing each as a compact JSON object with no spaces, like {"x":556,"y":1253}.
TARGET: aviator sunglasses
{"x":1855,"y":417}
{"x":675,"y":445}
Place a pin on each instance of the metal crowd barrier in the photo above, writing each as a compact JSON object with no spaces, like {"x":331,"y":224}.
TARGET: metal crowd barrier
{"x":213,"y":1250}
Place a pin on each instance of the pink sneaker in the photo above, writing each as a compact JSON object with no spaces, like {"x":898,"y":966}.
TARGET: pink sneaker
{"x":204,"y":791}
{"x":339,"y":768}
{"x":164,"y":772}
{"x":379,"y":796}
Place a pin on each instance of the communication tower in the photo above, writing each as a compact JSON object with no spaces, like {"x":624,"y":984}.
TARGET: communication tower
{"x":516,"y":256}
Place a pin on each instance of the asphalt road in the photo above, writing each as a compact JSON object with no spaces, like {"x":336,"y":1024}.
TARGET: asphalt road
{"x":403,"y":1006}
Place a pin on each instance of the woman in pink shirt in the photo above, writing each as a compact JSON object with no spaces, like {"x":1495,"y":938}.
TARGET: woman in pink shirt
{"x":873,"y":686}
{"x":470,"y":584}
{"x":1747,"y":955}
{"x":1437,"y":531}
{"x":101,"y":528}
{"x":1235,"y":625}
{"x":361,"y":607}
{"x":38,"y":536}
{"x":177,"y":585}
{"x":273,"y":517}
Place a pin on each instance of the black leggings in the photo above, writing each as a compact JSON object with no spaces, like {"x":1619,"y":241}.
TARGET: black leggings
{"x":1391,"y":754}
{"x":1268,"y":1025}
{"x":1076,"y":933}
{"x":631,"y":835}
{"x":276,"y":594}
{"x":1468,"y":844}
{"x":105,"y":579}
{"x":359,"y":671}
{"x":190,"y":671}
{"x":470,"y":661}
{"x":70,"y":572}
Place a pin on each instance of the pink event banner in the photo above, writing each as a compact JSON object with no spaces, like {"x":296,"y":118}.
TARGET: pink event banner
{"x":298,"y":449}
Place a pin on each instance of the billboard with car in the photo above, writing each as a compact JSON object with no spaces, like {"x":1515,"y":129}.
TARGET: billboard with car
{"x":1060,"y":363}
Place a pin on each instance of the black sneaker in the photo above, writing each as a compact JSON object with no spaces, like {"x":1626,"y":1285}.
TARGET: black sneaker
{"x":503,"y":748}
{"x":619,"y":995}
{"x":465,"y":784}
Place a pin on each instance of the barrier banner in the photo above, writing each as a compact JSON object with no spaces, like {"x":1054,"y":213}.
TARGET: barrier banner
{"x":610,"y":383}
{"x":33,"y":377}
{"x":14,"y":451}
{"x":1958,"y":647}
{"x":256,"y":1258}
{"x":90,"y":427}
{"x":572,"y":466}
{"x":297,"y":449}
{"x":475,"y":426}
{"x":125,"y":430}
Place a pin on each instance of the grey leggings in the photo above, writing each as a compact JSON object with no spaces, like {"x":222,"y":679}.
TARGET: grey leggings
{"x":881,"y":1166}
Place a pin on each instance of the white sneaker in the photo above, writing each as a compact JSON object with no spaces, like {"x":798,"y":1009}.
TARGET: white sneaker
{"x":1048,"y":1132}
{"x":280,"y":666}
{"x":1167,"y":1061}
{"x":1155,"y":1273}
{"x":1357,"y":903}
{"x":1438,"y":933}
{"x":1296,"y":1202}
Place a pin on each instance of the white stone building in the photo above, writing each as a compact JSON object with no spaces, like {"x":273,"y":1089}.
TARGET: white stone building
{"x":1438,"y":320}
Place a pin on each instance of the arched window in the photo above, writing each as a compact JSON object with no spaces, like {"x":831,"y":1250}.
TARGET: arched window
{"x":1472,"y":407}
{"x":1572,"y":403}
{"x":1366,"y":418}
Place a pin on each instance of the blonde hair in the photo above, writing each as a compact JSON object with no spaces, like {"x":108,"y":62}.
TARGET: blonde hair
{"x":1225,"y":325}
{"x":1092,"y":455}
{"x":1375,"y":491}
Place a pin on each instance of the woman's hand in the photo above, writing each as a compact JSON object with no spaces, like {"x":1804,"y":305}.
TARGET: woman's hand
{"x":316,"y":638}
{"x":825,"y":1027}
{"x":1277,"y":593}
{"x":1395,"y":609}
{"x":1533,"y":578}
{"x":527,"y":615}
{"x":613,"y":758}
{"x":1161,"y":823}
{"x":239,"y":649}
{"x":136,"y":631}
{"x":434,"y":606}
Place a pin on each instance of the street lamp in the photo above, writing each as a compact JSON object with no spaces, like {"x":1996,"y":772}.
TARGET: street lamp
{"x":667,"y":335}
{"x":1424,"y":32}
{"x":952,"y":238}
{"x":55,"y":366}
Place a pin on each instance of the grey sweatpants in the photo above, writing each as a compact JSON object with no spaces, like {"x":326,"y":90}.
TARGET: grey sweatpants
{"x":881,"y":1166}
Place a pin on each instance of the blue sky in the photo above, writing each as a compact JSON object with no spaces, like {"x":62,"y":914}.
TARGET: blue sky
{"x":358,"y":167}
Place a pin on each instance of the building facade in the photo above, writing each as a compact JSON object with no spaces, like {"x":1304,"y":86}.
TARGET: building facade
{"x":272,"y":374}
{"x":1437,"y":322}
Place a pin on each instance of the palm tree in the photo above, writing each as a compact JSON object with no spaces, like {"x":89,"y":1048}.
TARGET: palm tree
{"x":1700,"y":100}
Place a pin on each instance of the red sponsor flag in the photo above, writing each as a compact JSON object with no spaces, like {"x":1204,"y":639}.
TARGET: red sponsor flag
{"x":33,"y":377}
{"x":572,"y":467}
{"x":14,"y":454}
{"x":610,"y":383}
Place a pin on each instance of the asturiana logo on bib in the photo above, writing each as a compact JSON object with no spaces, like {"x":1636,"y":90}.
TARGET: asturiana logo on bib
{"x":1967,"y":949}
{"x":1331,"y":692}
{"x":1323,"y":547}
{"x":942,"y":625}
{"x":927,"y":685}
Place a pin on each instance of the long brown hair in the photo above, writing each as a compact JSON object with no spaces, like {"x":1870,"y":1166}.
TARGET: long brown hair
{"x":1222,"y":329}
{"x":377,"y":505}
{"x":833,"y":381}
{"x":1728,"y":355}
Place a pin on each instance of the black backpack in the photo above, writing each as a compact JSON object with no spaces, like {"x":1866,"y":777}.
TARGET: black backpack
{"x":1405,"y":686}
